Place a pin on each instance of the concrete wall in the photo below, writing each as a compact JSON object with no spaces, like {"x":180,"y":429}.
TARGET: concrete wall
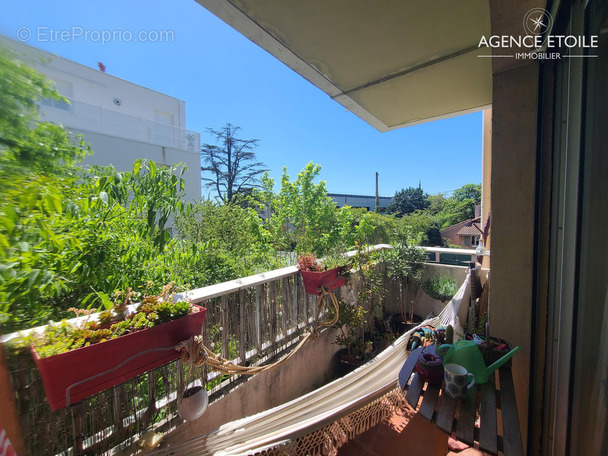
{"x":123,"y":152}
{"x":425,"y":304}
{"x":514,"y":136}
{"x":308,"y":369}
{"x":90,"y":85}
{"x":122,"y":120}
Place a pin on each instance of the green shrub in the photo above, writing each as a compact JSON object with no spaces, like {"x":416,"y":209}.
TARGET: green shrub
{"x":442,"y":288}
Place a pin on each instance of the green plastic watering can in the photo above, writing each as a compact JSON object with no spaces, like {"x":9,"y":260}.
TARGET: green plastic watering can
{"x":468,"y":355}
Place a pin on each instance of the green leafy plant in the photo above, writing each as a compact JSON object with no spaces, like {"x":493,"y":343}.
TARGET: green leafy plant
{"x":404,"y":265}
{"x":66,"y":336}
{"x":442,"y":288}
{"x":351,"y":320}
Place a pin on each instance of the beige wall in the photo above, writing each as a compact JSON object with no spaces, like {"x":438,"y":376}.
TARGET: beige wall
{"x":514,"y":136}
{"x":486,"y":179}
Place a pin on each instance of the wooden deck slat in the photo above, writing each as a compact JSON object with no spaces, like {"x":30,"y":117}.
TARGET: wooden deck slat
{"x":414,"y":390}
{"x":445,"y":417}
{"x":487,"y":427}
{"x":427,"y":408}
{"x":482,"y":401}
{"x":466,"y":421}
{"x":510,"y":420}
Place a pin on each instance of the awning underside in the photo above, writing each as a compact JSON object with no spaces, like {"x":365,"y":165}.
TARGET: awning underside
{"x":392,"y":62}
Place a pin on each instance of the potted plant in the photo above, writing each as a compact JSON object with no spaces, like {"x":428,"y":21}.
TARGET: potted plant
{"x":81,"y":358}
{"x":355,"y":349}
{"x":404,"y":265}
{"x":331,"y":273}
{"x":442,"y":288}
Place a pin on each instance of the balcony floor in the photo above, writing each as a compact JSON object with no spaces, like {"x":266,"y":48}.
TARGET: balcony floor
{"x":405,"y":433}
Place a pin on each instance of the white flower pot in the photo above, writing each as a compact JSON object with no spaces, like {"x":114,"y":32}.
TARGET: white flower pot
{"x":193,"y":404}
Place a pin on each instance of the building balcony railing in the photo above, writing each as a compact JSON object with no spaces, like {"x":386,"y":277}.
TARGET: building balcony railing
{"x":80,"y":115}
{"x":251,"y":320}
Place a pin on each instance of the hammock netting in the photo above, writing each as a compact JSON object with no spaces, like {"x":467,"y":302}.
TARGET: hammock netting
{"x":323,"y":420}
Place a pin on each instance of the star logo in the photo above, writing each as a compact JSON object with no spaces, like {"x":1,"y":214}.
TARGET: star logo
{"x":537,"y":21}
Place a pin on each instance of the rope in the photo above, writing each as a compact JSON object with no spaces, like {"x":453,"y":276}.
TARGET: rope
{"x":196,"y":353}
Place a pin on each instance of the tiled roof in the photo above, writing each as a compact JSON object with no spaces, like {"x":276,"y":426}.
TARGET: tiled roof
{"x":471,"y":230}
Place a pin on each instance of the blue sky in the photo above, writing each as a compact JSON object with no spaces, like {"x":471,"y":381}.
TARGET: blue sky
{"x":224,"y":77}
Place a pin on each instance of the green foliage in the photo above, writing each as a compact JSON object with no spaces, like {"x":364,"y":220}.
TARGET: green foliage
{"x":66,"y":336}
{"x":405,"y":264}
{"x":302,"y":215}
{"x":436,"y":203}
{"x":68,"y":235}
{"x":461,"y":205}
{"x":442,"y":288}
{"x":22,"y":86}
{"x":468,"y":191}
{"x":231,"y":233}
{"x":425,"y":227}
{"x":426,"y":215}
{"x":351,"y":319}
{"x":407,"y":201}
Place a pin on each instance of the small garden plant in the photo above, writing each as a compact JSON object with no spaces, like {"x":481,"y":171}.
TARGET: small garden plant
{"x":350,"y":321}
{"x":442,"y":288}
{"x":110,"y":324}
{"x":309,"y":262}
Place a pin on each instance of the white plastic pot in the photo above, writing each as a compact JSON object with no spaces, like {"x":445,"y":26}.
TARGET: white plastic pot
{"x":193,"y":404}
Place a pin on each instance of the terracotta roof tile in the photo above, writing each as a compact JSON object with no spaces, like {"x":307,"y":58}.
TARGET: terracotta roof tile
{"x":471,"y":230}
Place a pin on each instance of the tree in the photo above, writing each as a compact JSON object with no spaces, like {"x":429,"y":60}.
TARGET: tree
{"x":407,"y":201}
{"x":436,"y":203}
{"x":461,"y":205}
{"x":233,"y":164}
{"x":302,"y":216}
{"x":468,"y":191}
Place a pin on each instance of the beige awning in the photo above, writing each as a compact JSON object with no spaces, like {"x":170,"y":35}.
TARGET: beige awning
{"x":391,"y":62}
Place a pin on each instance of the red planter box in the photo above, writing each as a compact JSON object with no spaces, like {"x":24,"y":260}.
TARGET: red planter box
{"x":59,"y":372}
{"x":315,"y":280}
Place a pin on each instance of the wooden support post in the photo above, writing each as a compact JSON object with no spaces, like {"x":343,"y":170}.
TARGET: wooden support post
{"x":77,"y":411}
{"x":117,"y":406}
{"x":293,"y":285}
{"x":225,"y":326}
{"x":258,"y":328}
{"x":286,"y":304}
{"x":152,"y":391}
{"x":242,"y":326}
{"x":272,"y":304}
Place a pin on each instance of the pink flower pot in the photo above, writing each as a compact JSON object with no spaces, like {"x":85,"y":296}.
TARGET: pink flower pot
{"x":313,"y":281}
{"x":70,"y":377}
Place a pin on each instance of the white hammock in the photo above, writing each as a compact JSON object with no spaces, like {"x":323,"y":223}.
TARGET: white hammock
{"x":317,"y":409}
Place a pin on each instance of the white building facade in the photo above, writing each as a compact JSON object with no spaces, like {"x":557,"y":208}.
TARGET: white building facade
{"x":121,"y":120}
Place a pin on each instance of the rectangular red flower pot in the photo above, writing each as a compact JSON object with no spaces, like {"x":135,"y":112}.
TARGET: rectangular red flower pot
{"x":313,"y":281}
{"x":83,"y":370}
